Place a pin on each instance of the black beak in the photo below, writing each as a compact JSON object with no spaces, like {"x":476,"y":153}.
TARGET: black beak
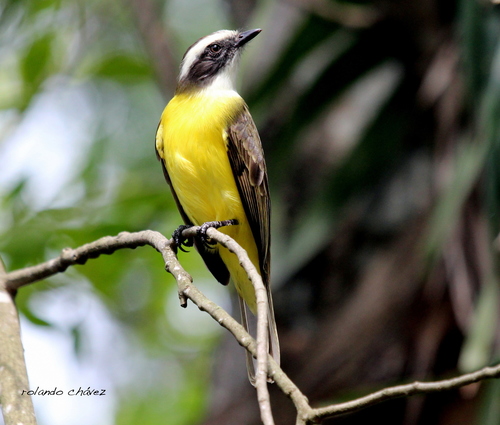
{"x":246,"y":36}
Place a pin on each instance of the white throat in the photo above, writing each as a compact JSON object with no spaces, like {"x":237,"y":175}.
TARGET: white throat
{"x":225,"y":80}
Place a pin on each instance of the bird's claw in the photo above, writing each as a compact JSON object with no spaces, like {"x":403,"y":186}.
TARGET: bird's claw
{"x":202,"y":231}
{"x":180,"y":240}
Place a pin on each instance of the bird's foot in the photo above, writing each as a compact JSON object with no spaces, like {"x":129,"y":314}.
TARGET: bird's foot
{"x":202,"y":231}
{"x":180,"y":240}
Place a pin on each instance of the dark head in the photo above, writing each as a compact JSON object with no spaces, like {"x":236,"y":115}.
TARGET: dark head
{"x":212,"y":60}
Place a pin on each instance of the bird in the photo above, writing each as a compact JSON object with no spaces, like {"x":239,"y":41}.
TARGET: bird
{"x":212,"y":159}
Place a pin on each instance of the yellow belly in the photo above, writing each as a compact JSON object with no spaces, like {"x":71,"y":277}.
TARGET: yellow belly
{"x":195,"y":154}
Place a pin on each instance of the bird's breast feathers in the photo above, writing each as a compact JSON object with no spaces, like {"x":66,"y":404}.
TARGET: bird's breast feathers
{"x":191,"y":140}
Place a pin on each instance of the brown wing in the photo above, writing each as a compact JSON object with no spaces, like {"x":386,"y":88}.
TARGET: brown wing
{"x":212,"y":259}
{"x":249,"y":168}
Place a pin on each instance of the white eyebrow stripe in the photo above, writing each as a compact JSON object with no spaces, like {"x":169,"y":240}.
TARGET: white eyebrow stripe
{"x":196,"y":49}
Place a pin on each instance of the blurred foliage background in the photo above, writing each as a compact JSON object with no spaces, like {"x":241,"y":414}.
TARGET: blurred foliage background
{"x":380,"y":121}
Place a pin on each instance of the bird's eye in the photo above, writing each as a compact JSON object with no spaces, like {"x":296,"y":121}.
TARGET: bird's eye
{"x":215,"y":48}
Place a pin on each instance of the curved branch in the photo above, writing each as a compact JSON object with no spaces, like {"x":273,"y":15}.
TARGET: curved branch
{"x":109,"y":244}
{"x":262,"y":319}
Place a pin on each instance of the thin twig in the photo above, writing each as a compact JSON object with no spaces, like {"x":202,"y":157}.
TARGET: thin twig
{"x":406,"y":390}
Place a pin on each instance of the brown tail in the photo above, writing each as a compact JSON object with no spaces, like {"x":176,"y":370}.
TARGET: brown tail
{"x":251,"y":325}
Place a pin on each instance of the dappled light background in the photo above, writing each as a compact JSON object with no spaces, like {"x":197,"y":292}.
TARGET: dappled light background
{"x":380,"y":125}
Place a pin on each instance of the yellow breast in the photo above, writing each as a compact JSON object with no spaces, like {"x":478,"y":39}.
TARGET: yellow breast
{"x":195,"y":154}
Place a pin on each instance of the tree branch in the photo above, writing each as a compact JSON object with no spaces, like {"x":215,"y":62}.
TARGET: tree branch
{"x":262,"y":319}
{"x":107,"y":245}
{"x":16,"y":408}
{"x":70,"y":257}
{"x":407,"y":390}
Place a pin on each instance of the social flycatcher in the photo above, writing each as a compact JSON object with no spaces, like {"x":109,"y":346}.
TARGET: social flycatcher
{"x":213,"y":160}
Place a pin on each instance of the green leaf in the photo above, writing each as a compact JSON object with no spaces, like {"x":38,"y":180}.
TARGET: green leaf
{"x":34,"y":64}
